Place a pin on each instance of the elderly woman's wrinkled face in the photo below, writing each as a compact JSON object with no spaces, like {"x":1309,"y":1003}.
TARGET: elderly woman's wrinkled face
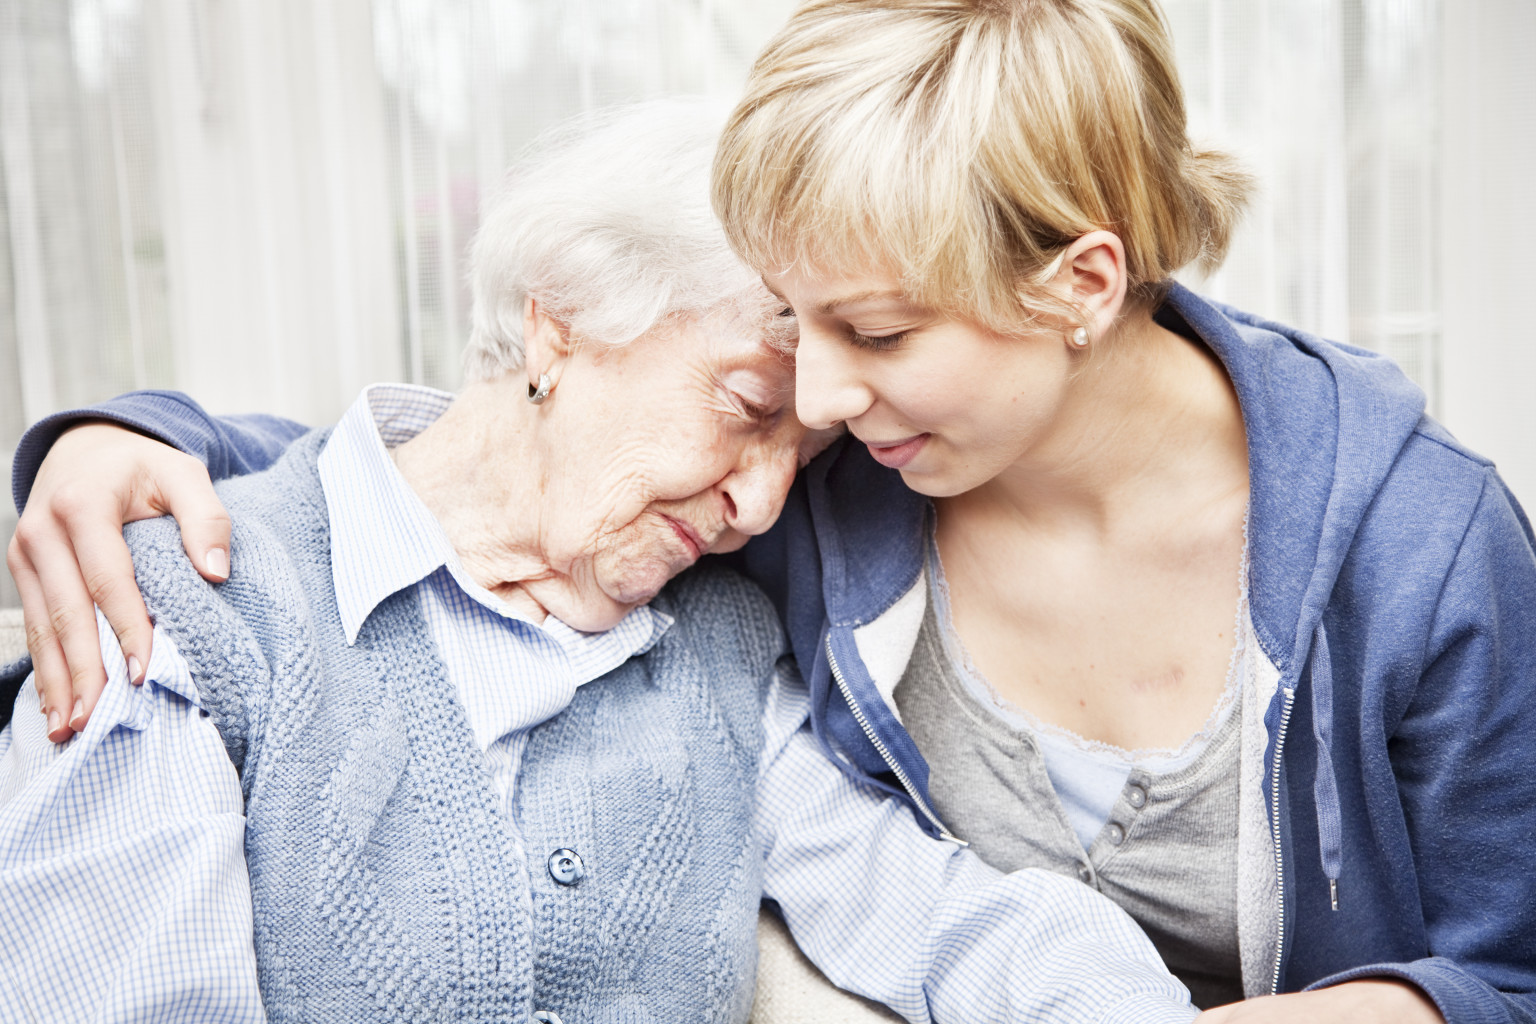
{"x":682,"y":442}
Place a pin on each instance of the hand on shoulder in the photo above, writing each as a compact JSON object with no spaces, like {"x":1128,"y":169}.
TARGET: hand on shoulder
{"x":68,"y":554}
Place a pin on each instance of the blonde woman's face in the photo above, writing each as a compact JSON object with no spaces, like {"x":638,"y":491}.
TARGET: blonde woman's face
{"x":947,"y":402}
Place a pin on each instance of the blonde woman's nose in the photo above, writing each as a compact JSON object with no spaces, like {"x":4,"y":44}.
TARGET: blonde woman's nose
{"x":828,"y":391}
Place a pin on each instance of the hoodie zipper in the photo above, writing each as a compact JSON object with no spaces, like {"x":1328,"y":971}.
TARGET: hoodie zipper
{"x":884,"y":751}
{"x":1285,"y":723}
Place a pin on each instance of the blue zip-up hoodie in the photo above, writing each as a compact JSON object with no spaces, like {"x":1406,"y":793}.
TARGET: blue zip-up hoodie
{"x":1392,"y":584}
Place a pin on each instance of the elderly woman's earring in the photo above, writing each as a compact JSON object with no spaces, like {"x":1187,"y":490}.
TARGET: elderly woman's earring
{"x":1080,"y":338}
{"x":536,"y":395}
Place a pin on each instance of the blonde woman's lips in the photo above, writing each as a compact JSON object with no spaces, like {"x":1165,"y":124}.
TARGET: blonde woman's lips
{"x":897,"y":454}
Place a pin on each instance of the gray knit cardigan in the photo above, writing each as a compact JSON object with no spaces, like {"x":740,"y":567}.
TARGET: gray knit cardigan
{"x":387,"y":882}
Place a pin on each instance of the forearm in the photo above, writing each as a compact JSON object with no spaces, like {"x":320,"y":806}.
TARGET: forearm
{"x":923,"y":925}
{"x":228,"y":446}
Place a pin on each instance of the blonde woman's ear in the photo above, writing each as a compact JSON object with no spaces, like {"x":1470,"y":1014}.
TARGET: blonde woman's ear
{"x":1092,"y":277}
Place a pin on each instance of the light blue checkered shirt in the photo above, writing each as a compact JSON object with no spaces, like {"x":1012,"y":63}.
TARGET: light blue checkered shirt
{"x":123,"y":891}
{"x":510,"y":674}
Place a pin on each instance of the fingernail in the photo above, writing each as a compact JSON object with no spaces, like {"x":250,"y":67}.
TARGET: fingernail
{"x":218,"y":562}
{"x":54,"y":721}
{"x":77,"y":714}
{"x":135,"y":670}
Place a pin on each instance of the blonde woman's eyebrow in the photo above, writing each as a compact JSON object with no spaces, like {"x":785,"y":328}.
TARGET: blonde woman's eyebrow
{"x":833,"y":305}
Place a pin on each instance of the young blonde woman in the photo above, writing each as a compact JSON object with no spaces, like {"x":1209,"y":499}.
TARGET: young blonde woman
{"x":1108,"y":579}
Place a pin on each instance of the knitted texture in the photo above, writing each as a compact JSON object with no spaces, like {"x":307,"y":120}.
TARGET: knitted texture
{"x":388,"y":884}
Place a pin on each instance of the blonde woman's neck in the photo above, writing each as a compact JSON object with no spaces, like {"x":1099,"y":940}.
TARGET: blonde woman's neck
{"x":1151,"y":426}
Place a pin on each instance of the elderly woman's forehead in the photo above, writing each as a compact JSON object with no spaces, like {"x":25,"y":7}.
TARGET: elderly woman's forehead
{"x":745,"y":356}
{"x":750,"y":326}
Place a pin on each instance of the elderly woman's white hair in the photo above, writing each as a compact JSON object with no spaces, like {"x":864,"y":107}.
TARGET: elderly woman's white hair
{"x":606,"y":222}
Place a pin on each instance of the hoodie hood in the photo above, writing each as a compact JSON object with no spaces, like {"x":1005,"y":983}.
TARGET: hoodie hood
{"x":1324,"y":431}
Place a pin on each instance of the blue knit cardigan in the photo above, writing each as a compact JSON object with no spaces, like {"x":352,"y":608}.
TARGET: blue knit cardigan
{"x":388,"y":883}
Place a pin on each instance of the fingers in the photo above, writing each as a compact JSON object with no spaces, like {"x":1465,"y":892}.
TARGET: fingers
{"x":48,"y":663}
{"x":60,"y":627}
{"x":184,"y":491}
{"x":106,"y":569}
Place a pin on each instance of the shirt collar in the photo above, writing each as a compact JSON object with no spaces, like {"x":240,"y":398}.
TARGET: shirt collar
{"x":383,"y":539}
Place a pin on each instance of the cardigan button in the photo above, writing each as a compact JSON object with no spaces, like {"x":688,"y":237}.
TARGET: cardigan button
{"x":547,"y":1017}
{"x":565,"y":867}
{"x":1115,"y":834}
{"x":1135,"y":796}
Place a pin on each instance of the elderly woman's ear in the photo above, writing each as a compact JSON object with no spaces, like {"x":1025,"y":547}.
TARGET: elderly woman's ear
{"x":545,"y":348}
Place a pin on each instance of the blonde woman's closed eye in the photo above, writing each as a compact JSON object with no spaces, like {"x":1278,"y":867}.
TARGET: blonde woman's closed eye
{"x":876,"y":342}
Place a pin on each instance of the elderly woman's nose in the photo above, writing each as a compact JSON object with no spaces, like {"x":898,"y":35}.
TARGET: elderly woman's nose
{"x":828,"y":390}
{"x":755,"y":490}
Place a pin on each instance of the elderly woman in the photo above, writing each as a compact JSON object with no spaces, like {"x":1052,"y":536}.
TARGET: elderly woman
{"x":447,"y":745}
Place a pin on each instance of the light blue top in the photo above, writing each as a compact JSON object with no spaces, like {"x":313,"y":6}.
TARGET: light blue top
{"x":121,"y":867}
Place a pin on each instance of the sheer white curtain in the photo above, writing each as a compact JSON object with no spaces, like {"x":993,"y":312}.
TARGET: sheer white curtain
{"x":1487,"y":221}
{"x":1334,"y":104}
{"x":1394,"y":141}
{"x":266,"y":202}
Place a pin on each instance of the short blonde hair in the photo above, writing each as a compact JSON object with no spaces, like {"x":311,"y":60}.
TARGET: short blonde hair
{"x":965,"y":144}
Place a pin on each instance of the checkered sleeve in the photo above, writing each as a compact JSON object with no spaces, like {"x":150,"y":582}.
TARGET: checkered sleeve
{"x":923,"y":925}
{"x":123,"y":887}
